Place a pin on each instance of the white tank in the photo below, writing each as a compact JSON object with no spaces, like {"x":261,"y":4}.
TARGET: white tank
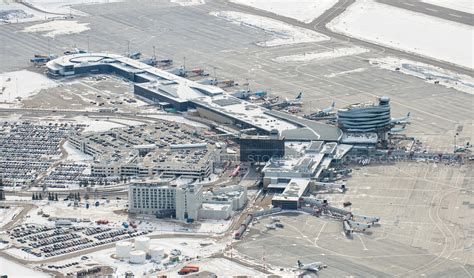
{"x":122,"y":249}
{"x":137,"y":257}
{"x":142,"y":243}
{"x":156,"y":253}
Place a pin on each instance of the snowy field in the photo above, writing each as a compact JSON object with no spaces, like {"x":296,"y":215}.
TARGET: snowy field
{"x":15,"y":270}
{"x":6,"y":215}
{"x":64,"y":6}
{"x":75,"y":155}
{"x":427,"y":72}
{"x":422,"y":34}
{"x":330,"y":54}
{"x":304,"y":10}
{"x":460,"y":5}
{"x":94,"y":125}
{"x":16,"y":13}
{"x":21,"y":84}
{"x":280,"y":32}
{"x":185,"y":3}
{"x":335,"y":74}
{"x":57,"y":27}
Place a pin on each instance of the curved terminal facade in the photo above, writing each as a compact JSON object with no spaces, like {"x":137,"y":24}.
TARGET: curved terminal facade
{"x":365,"y":117}
{"x":157,"y":85}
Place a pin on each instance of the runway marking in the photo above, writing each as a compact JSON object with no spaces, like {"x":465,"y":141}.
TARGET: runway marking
{"x":433,"y":10}
{"x":363,"y":244}
{"x":408,"y":4}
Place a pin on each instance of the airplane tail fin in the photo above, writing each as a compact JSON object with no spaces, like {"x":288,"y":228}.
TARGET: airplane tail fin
{"x":300,"y":264}
{"x":333,"y":104}
{"x":299,"y":96}
{"x":408,"y":115}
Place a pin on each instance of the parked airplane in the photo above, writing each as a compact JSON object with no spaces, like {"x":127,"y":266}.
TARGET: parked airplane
{"x":324,"y":113}
{"x":296,"y":101}
{"x":285,"y":103}
{"x":397,"y":129}
{"x":74,"y":51}
{"x":271,"y":226}
{"x":312,"y":267}
{"x":402,"y":120}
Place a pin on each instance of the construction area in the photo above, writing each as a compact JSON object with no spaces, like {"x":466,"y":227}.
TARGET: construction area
{"x":229,"y":138}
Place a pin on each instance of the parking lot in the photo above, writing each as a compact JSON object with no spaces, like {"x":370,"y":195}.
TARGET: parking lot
{"x":49,"y":241}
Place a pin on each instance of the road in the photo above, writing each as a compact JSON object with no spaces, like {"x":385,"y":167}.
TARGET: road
{"x":433,"y":10}
{"x":19,"y":216}
{"x":319,"y":25}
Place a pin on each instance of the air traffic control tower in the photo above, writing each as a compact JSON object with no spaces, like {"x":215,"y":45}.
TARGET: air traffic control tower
{"x":365,"y":117}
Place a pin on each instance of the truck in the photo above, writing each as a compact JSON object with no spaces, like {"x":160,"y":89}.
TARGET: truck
{"x":188,"y":269}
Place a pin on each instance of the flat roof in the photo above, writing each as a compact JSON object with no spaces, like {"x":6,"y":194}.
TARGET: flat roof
{"x":294,"y":190}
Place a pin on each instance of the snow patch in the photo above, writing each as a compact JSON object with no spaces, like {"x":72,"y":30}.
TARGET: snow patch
{"x":427,"y":72}
{"x":310,"y":56}
{"x":64,"y":6}
{"x":7,"y":214}
{"x":13,"y":269}
{"x":57,"y":27}
{"x":73,"y":154}
{"x":186,"y":3}
{"x":18,"y":85}
{"x":460,"y":5}
{"x":303,"y":10}
{"x":345,"y":72}
{"x":422,"y":34}
{"x":281,"y":33}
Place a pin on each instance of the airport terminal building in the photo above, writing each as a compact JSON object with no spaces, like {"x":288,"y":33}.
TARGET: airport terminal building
{"x":159,"y":86}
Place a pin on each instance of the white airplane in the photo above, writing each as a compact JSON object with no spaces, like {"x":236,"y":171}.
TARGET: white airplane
{"x":297,"y":101}
{"x":397,"y":129}
{"x":275,"y":219}
{"x":329,"y":109}
{"x":312,"y":267}
{"x":367,"y":219}
{"x":402,"y":120}
{"x":271,"y":226}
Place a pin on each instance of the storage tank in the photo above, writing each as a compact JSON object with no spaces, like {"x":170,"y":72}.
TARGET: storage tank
{"x":156,"y":253}
{"x":142,"y":243}
{"x":122,"y":249}
{"x":137,"y":257}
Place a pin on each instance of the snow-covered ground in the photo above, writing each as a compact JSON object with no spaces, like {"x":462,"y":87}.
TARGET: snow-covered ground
{"x":11,"y":12}
{"x":7,"y":214}
{"x":94,"y":125}
{"x":302,"y":10}
{"x":189,"y":2}
{"x":334,"y":74}
{"x":280,"y":32}
{"x":74,"y":154}
{"x":460,"y":5}
{"x":409,"y":31}
{"x":188,"y":246}
{"x":57,"y":27}
{"x":427,"y":72}
{"x":330,"y":54}
{"x":15,"y":270}
{"x":22,"y":84}
{"x":64,"y":6}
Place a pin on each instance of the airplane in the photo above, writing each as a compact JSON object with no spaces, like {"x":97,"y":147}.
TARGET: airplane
{"x":242,"y":94}
{"x":135,"y":55}
{"x":367,"y":219}
{"x":312,"y":267}
{"x":402,"y":120}
{"x":326,"y":112}
{"x":397,"y":129}
{"x":208,"y":81}
{"x":285,"y":103}
{"x":296,"y":101}
{"x":275,"y":219}
{"x":271,"y":226}
{"x":74,"y":51}
{"x":359,"y":226}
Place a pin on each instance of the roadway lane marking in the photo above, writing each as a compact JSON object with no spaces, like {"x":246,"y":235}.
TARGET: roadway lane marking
{"x":433,"y":10}
{"x":456,"y":15}
{"x":408,"y":4}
